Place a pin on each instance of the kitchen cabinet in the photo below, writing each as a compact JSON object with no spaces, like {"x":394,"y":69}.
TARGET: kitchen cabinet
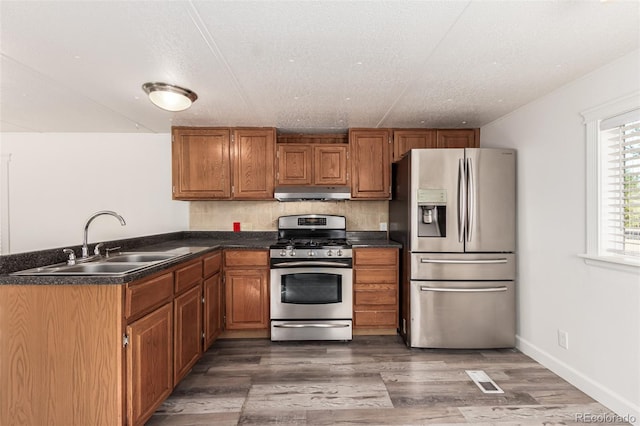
{"x":213,"y":299}
{"x":314,"y":164}
{"x":330,"y":164}
{"x":149,"y":371}
{"x":201,"y":161}
{"x":457,"y":138}
{"x":211,"y":163}
{"x":101,"y":354}
{"x":407,"y":139}
{"x":375,"y":288}
{"x":370,"y":163}
{"x":294,"y":164}
{"x":253,"y":163}
{"x":187,"y":341}
{"x":246,"y":287}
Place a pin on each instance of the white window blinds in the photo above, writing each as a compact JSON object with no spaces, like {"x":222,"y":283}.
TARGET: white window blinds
{"x":620,"y":185}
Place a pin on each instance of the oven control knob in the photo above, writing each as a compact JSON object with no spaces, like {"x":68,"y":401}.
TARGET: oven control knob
{"x":293,"y":253}
{"x":339,"y":252}
{"x":283,"y":252}
{"x":329,"y":252}
{"x":311,"y":253}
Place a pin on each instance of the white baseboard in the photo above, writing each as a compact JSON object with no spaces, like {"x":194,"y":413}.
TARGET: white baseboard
{"x":610,"y":399}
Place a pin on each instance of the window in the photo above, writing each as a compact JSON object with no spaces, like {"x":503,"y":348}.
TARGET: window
{"x":613,"y":183}
{"x":620,"y":185}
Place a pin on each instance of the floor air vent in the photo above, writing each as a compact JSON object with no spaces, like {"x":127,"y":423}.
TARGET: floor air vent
{"x":483,"y":381}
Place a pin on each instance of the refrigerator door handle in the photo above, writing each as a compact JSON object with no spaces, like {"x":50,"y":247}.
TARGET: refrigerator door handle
{"x":462,"y":196}
{"x":464,"y":290}
{"x":464,"y":262}
{"x":471,"y":199}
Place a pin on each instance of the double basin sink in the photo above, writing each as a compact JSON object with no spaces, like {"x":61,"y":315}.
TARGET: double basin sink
{"x":116,"y":264}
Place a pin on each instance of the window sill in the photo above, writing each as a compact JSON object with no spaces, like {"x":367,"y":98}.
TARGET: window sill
{"x":610,"y":262}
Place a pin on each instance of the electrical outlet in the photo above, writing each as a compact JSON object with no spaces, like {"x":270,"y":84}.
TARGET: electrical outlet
{"x":383,"y":226}
{"x":563,"y":339}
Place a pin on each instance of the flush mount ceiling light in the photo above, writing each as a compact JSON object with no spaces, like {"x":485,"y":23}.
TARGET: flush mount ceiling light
{"x":169,"y":97}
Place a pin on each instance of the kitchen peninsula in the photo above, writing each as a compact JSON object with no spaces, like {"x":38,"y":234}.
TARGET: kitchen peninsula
{"x":109,"y":349}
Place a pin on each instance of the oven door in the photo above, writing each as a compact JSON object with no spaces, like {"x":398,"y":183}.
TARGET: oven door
{"x":311,"y":293}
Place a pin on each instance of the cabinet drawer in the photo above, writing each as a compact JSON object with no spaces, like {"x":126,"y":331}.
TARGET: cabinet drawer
{"x":188,"y":276}
{"x":376,"y":297}
{"x":243,"y":258}
{"x":375,"y":318}
{"x":375,"y":257}
{"x":212,"y":264}
{"x":376,"y":275}
{"x":142,"y":297}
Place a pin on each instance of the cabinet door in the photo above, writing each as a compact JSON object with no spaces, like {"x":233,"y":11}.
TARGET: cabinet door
{"x":247,"y":299}
{"x":149,"y":364}
{"x":187,"y":340}
{"x":294,"y":164}
{"x":458,"y":138}
{"x":370,"y":163}
{"x":201,"y":163}
{"x":253,"y":165}
{"x":405,"y":140}
{"x":330,"y":164}
{"x":213,"y":313}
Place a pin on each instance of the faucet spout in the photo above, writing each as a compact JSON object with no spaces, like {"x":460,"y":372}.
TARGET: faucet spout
{"x":85,"y":247}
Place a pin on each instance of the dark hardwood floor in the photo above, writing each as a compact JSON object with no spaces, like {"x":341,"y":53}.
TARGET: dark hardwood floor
{"x":373,"y":380}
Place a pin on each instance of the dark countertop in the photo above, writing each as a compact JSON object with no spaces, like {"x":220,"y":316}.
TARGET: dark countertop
{"x":200,"y":242}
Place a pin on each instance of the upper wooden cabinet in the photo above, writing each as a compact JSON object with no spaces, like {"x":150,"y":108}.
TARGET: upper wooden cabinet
{"x":223,"y":163}
{"x":201,"y":163}
{"x":253,"y":163}
{"x":407,"y":139}
{"x":458,"y":138}
{"x":317,"y":164}
{"x":312,"y":159}
{"x":330,"y":164}
{"x":370,"y":163}
{"x":294,"y":164}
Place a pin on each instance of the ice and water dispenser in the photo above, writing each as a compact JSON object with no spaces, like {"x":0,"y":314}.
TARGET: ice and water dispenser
{"x":432,"y":212}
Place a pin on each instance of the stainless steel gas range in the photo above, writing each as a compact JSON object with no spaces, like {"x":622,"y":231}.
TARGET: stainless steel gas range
{"x":311,"y":279}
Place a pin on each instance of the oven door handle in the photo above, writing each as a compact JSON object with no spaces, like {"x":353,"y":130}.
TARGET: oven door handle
{"x":311,"y":325}
{"x":320,"y":263}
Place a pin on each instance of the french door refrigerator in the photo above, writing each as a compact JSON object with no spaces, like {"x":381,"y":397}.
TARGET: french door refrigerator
{"x":454,"y":211}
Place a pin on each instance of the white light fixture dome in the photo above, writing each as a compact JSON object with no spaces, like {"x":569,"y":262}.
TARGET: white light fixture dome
{"x":169,"y":97}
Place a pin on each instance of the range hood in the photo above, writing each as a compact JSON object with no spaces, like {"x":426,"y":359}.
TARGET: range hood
{"x":320,"y":193}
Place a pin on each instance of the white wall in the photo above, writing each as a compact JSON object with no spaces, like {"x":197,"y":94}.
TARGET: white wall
{"x":598,"y":307}
{"x":57,"y":180}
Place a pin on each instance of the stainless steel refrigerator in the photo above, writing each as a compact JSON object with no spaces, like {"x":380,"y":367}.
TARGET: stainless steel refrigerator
{"x":454,"y":211}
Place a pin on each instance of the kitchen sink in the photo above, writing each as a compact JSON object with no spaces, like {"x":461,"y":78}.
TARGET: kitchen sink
{"x":117,"y":264}
{"x":140,"y":257}
{"x":101,"y":268}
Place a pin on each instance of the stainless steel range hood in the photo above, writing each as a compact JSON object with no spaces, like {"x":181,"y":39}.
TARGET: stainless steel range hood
{"x":319,"y":193}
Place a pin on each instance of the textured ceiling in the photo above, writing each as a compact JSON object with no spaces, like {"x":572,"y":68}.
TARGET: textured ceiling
{"x":321,"y":66}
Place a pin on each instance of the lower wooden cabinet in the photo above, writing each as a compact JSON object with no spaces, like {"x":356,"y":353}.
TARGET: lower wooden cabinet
{"x":246,"y":276}
{"x":375,"y":288}
{"x":149,"y":371}
{"x":213,"y":309}
{"x":212,"y":298}
{"x":187,"y":341}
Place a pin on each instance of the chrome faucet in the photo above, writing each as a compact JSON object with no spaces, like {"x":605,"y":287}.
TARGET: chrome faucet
{"x":85,"y":247}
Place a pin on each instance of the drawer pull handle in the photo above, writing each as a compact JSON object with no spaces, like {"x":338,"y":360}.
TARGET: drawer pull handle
{"x":464,"y":262}
{"x":464,"y":290}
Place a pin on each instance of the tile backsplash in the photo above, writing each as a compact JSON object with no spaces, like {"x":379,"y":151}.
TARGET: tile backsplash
{"x":263,"y":215}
